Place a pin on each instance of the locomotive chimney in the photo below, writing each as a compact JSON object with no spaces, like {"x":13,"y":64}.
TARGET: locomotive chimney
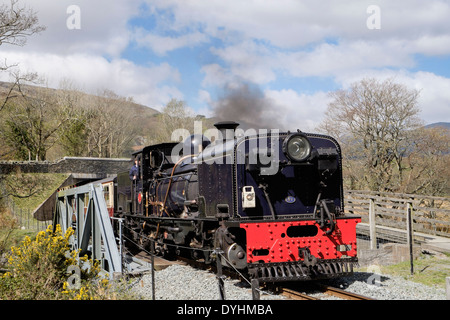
{"x":227,"y":129}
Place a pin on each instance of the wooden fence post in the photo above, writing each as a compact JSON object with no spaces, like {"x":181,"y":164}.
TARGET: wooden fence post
{"x":410,"y":232}
{"x":372,"y":224}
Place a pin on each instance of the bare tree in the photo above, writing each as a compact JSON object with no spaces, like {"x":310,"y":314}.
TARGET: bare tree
{"x":109,"y":125}
{"x":14,"y":89}
{"x":16,"y":24}
{"x":374,"y":121}
{"x":175,"y":115}
{"x":427,"y":166}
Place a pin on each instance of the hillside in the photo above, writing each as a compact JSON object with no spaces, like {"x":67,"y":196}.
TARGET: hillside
{"x":136,"y":108}
{"x":147,"y":127}
{"x":144,"y":118}
{"x":445,"y":125}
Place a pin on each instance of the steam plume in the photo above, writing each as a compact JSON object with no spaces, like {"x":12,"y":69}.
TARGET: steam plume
{"x":247,"y":105}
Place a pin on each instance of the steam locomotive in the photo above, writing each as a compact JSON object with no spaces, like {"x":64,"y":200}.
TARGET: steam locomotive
{"x":270,"y":202}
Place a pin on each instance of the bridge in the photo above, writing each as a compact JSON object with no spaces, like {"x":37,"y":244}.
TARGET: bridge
{"x":79,"y":170}
{"x":80,"y":167}
{"x":85,"y":210}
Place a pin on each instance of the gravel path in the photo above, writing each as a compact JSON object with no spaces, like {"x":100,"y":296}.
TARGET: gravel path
{"x":179,"y":282}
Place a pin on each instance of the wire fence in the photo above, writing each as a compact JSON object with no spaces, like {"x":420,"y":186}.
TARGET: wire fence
{"x":25,"y":220}
{"x":366,"y":241}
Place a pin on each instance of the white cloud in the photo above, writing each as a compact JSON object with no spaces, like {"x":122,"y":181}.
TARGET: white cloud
{"x":91,"y":56}
{"x":260,"y":65}
{"x":286,"y":23}
{"x":293,"y":23}
{"x":215,"y":75}
{"x":434,"y":99}
{"x":306,"y":111}
{"x":430,"y":45}
{"x":103,"y":26}
{"x":256,"y":34}
{"x":299,"y":110}
{"x":260,"y":42}
{"x":92,"y":73}
{"x":204,"y":96}
{"x":161,"y":45}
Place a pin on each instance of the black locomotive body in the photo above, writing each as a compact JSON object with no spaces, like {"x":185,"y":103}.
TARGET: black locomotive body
{"x":271,"y":203}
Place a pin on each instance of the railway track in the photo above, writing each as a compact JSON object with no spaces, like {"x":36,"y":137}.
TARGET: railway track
{"x":290,"y":293}
{"x":326,"y":290}
{"x":295,"y":295}
{"x":344,"y":294}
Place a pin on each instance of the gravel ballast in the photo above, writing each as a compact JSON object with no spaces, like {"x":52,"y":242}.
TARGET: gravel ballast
{"x":180,"y":282}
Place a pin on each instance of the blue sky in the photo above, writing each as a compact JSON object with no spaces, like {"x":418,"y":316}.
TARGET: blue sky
{"x":292,"y":52}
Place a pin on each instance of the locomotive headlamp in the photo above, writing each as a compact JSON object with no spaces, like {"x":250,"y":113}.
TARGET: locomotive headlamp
{"x":297,"y":147}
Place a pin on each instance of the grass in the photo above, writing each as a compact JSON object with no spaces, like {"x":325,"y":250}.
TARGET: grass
{"x":430,"y":270}
{"x":39,"y":185}
{"x":13,"y":237}
{"x":30,"y":190}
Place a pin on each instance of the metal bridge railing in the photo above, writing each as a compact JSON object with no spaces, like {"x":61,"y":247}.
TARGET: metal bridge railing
{"x":84,"y":209}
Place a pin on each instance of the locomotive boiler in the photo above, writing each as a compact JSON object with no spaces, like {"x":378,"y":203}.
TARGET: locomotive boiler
{"x":270,"y":202}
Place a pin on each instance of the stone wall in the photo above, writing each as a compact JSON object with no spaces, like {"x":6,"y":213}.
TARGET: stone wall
{"x":80,"y":167}
{"x":386,"y":254}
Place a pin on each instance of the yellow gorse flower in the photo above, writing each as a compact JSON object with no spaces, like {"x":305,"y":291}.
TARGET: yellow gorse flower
{"x":45,"y":260}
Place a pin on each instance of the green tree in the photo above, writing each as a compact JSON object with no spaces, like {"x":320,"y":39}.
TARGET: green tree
{"x":74,"y":136}
{"x":33,"y":122}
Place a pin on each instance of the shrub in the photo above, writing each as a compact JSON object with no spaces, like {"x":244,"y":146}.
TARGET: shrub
{"x":45,"y":268}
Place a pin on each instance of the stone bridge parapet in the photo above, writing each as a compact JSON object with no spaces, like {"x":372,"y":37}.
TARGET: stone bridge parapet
{"x":79,"y":167}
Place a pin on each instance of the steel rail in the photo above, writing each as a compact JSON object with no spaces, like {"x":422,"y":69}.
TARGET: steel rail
{"x":295,"y":295}
{"x":343,"y":294}
{"x":327,"y":290}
